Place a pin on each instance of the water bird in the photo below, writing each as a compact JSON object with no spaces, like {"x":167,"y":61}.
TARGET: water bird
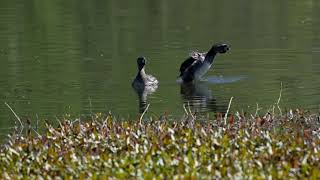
{"x":197,"y":64}
{"x":143,"y":80}
{"x":144,"y":84}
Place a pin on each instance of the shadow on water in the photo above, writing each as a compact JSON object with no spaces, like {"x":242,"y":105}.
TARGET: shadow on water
{"x":200,"y":98}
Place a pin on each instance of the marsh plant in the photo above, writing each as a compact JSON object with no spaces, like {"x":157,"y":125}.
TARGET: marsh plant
{"x":238,"y":146}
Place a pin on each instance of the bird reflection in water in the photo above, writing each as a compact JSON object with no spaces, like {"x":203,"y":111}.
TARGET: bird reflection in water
{"x":143,"y":95}
{"x":200,"y":98}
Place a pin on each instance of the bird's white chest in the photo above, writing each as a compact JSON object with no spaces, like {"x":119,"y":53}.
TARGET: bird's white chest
{"x":202,"y":70}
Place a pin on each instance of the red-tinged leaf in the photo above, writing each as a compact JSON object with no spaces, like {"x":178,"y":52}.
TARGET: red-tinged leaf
{"x":231,"y":120}
{"x":307,"y":133}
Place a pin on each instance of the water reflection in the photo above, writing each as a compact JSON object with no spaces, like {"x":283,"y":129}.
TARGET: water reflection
{"x":200,"y":98}
{"x":224,"y":79}
{"x":143,"y":93}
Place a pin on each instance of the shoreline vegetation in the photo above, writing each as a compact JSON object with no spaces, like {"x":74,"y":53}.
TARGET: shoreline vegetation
{"x":238,"y":145}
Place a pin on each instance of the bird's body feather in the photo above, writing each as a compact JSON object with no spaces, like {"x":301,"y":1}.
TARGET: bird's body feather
{"x":197,"y":64}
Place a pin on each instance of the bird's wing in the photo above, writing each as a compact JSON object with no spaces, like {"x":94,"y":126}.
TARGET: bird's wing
{"x":151,"y":80}
{"x":194,"y":57}
{"x":187,"y":63}
{"x":194,"y":66}
{"x":191,"y":71}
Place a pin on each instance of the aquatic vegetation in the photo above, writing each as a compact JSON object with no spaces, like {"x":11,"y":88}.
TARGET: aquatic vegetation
{"x":243,"y":146}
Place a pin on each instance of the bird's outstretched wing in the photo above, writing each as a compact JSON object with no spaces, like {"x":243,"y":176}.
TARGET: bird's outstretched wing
{"x":194,"y":56}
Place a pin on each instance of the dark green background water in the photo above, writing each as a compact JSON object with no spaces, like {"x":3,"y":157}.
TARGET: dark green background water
{"x":75,"y":57}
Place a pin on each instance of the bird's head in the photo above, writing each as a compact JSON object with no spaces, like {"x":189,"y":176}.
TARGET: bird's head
{"x":141,"y":61}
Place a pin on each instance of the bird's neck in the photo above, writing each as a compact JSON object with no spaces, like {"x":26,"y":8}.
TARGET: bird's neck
{"x":210,"y":56}
{"x":142,"y":74}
